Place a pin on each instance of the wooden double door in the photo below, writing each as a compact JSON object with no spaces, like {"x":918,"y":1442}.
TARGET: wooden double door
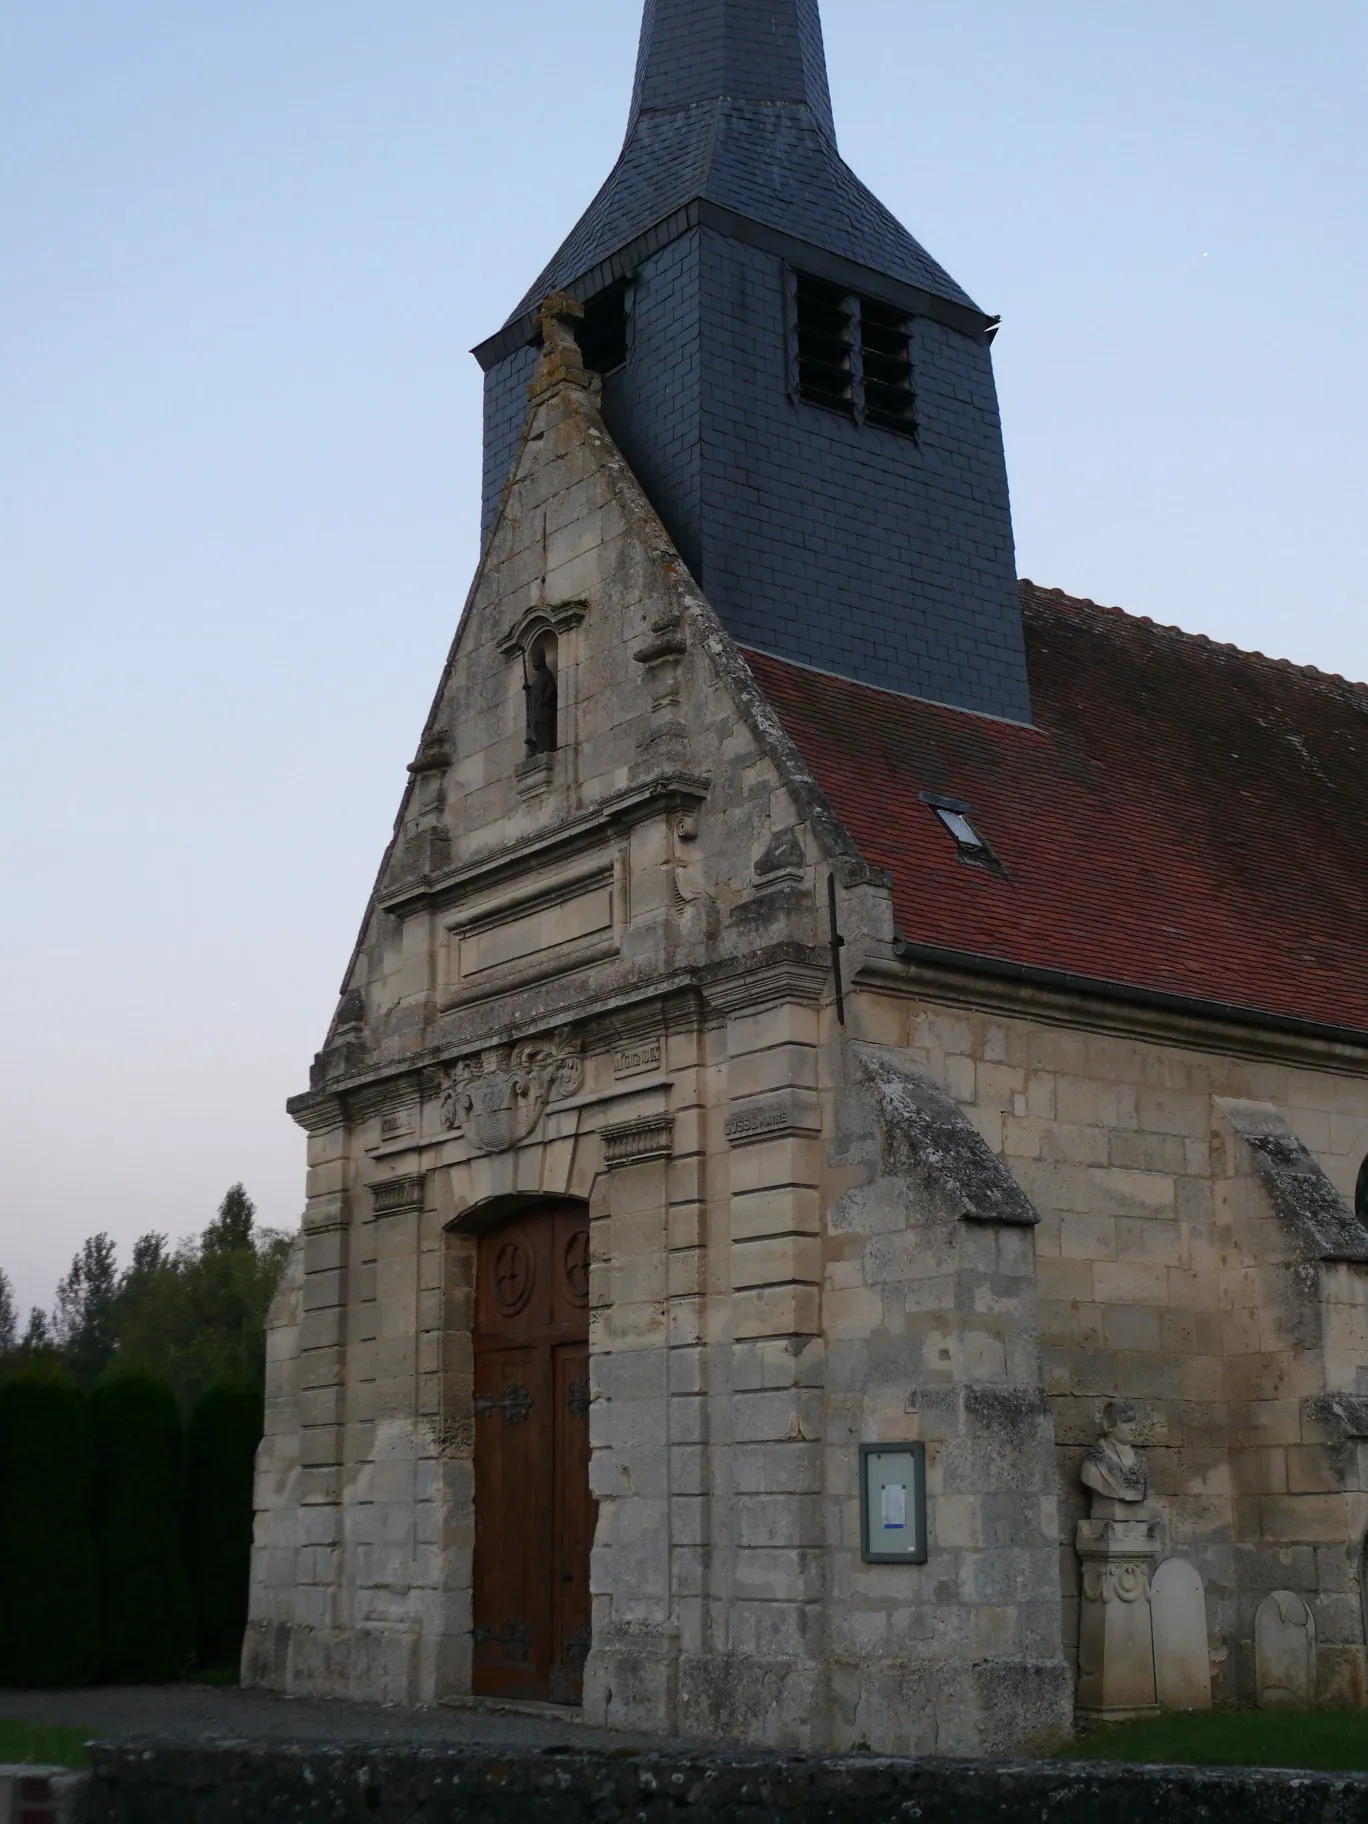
{"x":534,"y":1517}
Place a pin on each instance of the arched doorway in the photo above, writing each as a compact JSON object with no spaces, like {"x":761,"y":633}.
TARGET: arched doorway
{"x":534,"y":1517}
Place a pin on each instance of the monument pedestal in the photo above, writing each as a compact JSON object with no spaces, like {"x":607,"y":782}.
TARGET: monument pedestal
{"x":1117,"y":1549}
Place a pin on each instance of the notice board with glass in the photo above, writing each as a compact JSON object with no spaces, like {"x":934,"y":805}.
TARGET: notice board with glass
{"x":893,"y":1503}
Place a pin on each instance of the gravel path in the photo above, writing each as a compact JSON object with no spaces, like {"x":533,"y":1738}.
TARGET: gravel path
{"x":204,"y":1712}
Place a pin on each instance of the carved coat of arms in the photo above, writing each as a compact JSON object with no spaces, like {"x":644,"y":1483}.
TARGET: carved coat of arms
{"x":499,"y":1097}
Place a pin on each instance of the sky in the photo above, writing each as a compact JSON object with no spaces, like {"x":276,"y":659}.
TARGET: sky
{"x":246,"y":250}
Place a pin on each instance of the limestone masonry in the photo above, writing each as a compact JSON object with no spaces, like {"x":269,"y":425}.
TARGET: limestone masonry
{"x":918,"y":1074}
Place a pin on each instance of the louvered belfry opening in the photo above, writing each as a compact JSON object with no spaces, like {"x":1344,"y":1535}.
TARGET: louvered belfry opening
{"x":886,"y":362}
{"x":826,"y":345}
{"x":854,"y":355}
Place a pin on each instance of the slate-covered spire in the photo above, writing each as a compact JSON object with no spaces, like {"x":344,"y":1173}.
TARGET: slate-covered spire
{"x":731,"y":106}
{"x":804,"y":394}
{"x":696,"y":51}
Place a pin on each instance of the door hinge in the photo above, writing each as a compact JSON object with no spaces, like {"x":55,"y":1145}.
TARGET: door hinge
{"x":515,"y":1405}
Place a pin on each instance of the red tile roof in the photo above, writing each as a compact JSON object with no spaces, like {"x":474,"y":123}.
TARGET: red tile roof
{"x":1184,"y":817}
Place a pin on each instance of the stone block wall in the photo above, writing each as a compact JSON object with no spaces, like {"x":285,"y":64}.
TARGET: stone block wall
{"x":752,"y":1666}
{"x":42,"y":1795}
{"x":933,"y":1336}
{"x":177,"y":1783}
{"x":275,"y":1559}
{"x":1167,"y":1276}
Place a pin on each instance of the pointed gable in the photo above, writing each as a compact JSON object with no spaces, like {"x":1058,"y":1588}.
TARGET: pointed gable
{"x":519,"y":879}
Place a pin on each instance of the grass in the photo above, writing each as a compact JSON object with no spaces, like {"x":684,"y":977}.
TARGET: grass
{"x":1325,"y":1740}
{"x":41,"y":1744}
{"x":215,"y":1675}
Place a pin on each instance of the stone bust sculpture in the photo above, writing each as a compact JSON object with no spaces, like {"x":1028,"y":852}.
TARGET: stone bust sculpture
{"x":540,"y":686}
{"x":1114,"y":1468}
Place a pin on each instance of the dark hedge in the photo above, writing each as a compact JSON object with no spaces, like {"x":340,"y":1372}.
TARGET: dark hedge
{"x":225,"y":1429}
{"x":139,"y":1491}
{"x":49,"y":1592}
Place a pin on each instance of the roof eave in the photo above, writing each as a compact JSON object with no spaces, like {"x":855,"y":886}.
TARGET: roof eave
{"x":520,"y":331}
{"x":934,"y":957}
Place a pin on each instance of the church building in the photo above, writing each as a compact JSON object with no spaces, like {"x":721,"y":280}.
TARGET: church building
{"x":837,"y":1213}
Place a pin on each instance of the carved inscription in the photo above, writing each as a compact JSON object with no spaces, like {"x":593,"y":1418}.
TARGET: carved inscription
{"x":750,"y":1121}
{"x":633,"y":1060}
{"x":761,"y":1120}
{"x":398,"y":1122}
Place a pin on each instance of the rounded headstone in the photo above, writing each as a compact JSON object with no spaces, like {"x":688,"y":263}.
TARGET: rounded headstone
{"x":1285,"y":1653}
{"x":1182,"y":1657}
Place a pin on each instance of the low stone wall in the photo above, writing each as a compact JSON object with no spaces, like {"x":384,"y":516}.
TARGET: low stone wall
{"x":151,"y":1783}
{"x":40,"y":1795}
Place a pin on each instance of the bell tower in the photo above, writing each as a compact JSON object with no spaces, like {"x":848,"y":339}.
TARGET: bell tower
{"x":805,"y":395}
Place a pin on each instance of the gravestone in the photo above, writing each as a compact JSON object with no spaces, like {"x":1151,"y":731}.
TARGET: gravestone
{"x":1285,"y":1653}
{"x":1182,"y":1657}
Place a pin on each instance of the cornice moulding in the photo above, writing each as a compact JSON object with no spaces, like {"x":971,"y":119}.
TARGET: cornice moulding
{"x":1111,"y":1007}
{"x":784,"y":972}
{"x":823,"y":264}
{"x":652,"y":797}
{"x":686,"y":998}
{"x":553,"y":617}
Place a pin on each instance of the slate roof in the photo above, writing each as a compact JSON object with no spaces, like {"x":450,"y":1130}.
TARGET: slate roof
{"x":731,"y":105}
{"x":752,"y":50}
{"x":1183,"y":818}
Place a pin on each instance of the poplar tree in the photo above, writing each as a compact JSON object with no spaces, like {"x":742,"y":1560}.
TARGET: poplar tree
{"x":9,"y":1316}
{"x":84,"y":1316}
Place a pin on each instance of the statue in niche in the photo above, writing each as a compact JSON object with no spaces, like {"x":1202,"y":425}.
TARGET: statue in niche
{"x":539,"y":684}
{"x":1114,"y":1469}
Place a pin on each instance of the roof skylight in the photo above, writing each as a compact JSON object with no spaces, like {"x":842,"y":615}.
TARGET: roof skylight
{"x":954,"y":816}
{"x":959,"y":827}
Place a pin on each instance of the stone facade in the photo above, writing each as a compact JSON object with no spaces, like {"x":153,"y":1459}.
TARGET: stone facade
{"x":907,"y":1206}
{"x":1179,"y":1267}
